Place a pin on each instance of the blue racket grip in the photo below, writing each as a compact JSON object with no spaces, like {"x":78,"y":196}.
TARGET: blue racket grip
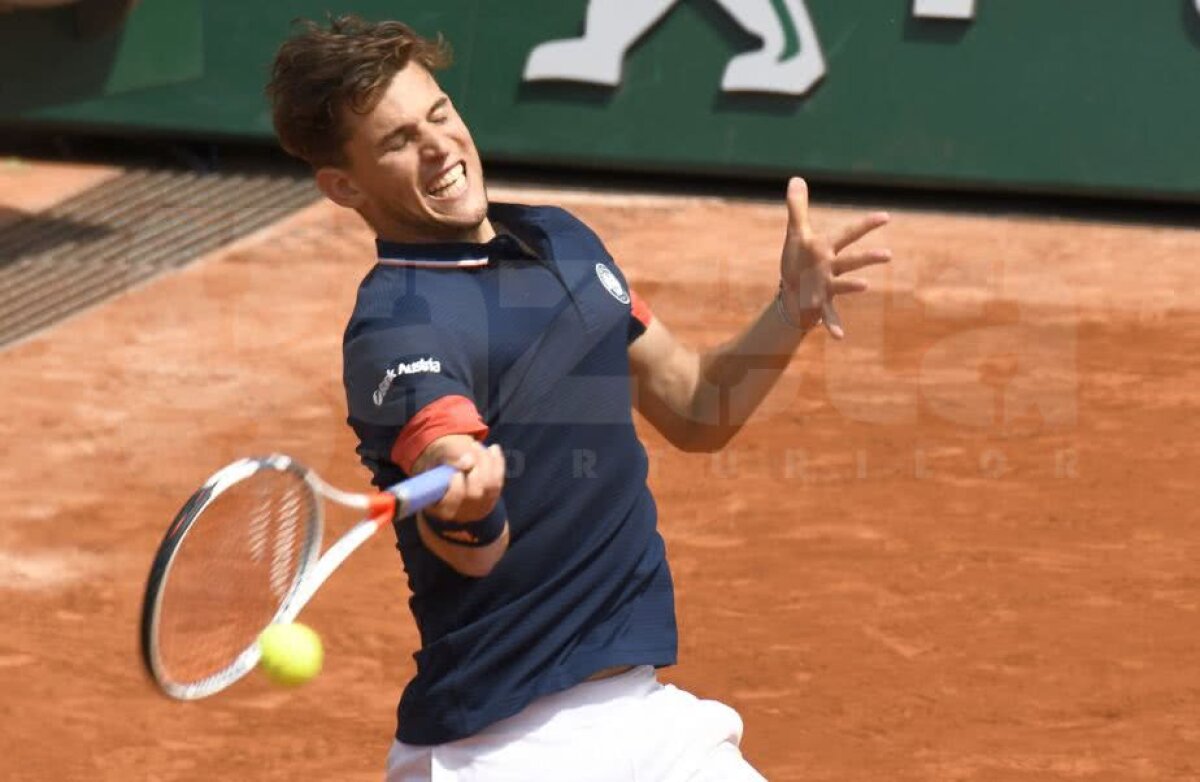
{"x":422,"y":490}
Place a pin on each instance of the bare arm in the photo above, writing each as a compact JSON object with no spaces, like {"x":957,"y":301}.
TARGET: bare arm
{"x":699,"y":402}
{"x":472,"y":496}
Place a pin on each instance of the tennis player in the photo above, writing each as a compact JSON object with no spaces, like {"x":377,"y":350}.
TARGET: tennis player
{"x":505,"y":340}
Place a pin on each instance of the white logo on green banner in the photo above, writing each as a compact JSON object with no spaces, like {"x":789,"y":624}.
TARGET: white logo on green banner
{"x":789,"y":62}
{"x":946,"y":9}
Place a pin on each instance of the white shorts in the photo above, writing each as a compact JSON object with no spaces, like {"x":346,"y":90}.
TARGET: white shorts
{"x":627,"y":727}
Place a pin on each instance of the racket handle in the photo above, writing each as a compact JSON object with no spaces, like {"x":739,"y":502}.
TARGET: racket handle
{"x":422,"y":490}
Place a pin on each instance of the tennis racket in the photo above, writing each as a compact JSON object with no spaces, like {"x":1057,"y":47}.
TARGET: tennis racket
{"x":243,"y":553}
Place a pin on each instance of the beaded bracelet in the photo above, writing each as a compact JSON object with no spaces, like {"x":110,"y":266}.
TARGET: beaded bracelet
{"x":783,"y":314}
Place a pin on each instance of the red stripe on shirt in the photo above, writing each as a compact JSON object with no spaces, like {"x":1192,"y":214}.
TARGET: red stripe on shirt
{"x":640,"y":309}
{"x":448,"y":415}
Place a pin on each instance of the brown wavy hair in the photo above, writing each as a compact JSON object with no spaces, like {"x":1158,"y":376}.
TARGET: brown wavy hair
{"x":321,"y":73}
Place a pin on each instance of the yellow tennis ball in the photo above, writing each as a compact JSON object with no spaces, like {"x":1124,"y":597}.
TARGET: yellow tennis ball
{"x":291,"y":654}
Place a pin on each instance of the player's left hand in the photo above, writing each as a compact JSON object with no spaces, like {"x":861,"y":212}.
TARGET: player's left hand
{"x":812,"y":267}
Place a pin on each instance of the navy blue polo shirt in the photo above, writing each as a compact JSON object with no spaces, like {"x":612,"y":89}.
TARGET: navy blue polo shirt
{"x":522,"y":341}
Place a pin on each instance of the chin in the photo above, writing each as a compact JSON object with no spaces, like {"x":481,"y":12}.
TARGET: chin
{"x":428,"y":220}
{"x":468,"y":216}
{"x":478,"y":214}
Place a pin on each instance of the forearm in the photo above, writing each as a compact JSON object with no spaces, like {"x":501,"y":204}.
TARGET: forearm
{"x":476,"y":562}
{"x":470,"y":508}
{"x":734,"y":378}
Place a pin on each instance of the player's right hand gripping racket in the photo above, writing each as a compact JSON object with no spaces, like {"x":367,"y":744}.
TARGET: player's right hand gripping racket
{"x":242,"y":554}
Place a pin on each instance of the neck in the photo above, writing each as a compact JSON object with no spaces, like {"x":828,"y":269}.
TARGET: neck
{"x":480,"y":234}
{"x":484,"y":232}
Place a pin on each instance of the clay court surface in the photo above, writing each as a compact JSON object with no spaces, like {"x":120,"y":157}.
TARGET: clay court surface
{"x":962,"y":545}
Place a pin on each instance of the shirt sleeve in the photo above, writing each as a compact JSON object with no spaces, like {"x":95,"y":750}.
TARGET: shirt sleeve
{"x":406,"y":387}
{"x":453,"y":414}
{"x":639,"y":316}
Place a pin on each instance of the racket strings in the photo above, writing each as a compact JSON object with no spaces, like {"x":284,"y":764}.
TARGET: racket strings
{"x":232,"y":573}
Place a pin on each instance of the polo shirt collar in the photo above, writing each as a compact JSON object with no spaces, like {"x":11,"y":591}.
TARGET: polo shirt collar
{"x":434,"y":255}
{"x":461,"y":255}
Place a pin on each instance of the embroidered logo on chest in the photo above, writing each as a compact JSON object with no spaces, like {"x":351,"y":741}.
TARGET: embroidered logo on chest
{"x":611,"y":283}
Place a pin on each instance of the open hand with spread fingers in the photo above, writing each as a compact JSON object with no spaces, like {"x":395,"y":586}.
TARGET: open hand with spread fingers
{"x":813,"y":265}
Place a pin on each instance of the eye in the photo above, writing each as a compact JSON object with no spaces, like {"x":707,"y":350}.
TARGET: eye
{"x":440,"y":119}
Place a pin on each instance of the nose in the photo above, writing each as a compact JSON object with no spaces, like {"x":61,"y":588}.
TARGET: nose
{"x":434,"y":144}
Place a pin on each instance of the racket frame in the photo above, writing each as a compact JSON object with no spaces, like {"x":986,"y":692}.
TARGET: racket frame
{"x":313,"y":568}
{"x":220,"y":482}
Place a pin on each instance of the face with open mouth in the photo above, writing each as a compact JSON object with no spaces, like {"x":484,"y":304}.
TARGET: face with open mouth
{"x":413,"y":166}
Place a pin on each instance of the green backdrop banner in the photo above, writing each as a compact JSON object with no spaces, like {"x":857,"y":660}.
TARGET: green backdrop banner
{"x":1099,"y":96}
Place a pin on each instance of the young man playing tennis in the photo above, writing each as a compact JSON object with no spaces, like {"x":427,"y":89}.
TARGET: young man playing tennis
{"x":504,"y":339}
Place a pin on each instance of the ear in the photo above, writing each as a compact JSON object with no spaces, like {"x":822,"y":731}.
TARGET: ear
{"x":339,"y":187}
